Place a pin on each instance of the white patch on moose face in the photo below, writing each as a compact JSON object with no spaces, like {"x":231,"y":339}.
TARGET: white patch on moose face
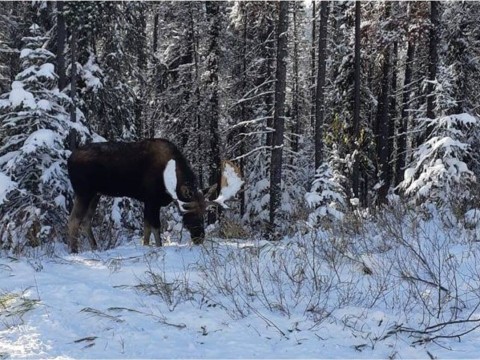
{"x":233,"y":185}
{"x":170,"y":180}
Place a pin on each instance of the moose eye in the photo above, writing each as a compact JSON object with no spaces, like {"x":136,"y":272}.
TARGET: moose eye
{"x":186,"y":192}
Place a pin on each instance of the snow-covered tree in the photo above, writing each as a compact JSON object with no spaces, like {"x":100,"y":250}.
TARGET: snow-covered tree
{"x":439,"y":168}
{"x":327,"y":196}
{"x":33,"y":151}
{"x":108,"y":37}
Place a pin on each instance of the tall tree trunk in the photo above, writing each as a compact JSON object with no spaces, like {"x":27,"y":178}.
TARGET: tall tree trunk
{"x":392,"y":112}
{"x":403,"y":123}
{"x":431,"y":71}
{"x":268,"y":55}
{"x":313,"y":74}
{"x":61,"y":38}
{"x":356,"y":101}
{"x":158,"y":71}
{"x":73,"y":86}
{"x":296,"y":87}
{"x":243,"y":109}
{"x":432,"y":58}
{"x":214,"y":176}
{"x":142,"y":73}
{"x":155,"y":32}
{"x":199,"y":131}
{"x":279,"y":113}
{"x":320,"y":92}
{"x":382,"y":121}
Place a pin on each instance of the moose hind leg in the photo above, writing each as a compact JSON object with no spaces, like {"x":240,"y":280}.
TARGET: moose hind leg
{"x":152,"y":223}
{"x":88,"y":219}
{"x":80,"y":207}
{"x":147,"y":231}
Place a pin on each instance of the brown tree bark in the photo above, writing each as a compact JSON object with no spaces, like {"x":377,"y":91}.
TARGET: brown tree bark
{"x":321,"y":74}
{"x":278,"y":114}
{"x":356,"y":101}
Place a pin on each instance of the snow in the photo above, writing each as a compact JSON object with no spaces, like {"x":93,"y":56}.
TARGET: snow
{"x":52,"y":172}
{"x":6,"y":185}
{"x":354,"y":201}
{"x":91,"y":74}
{"x":44,"y":105}
{"x":25,"y":53}
{"x":312,"y":199}
{"x":34,"y":72}
{"x":41,"y":138}
{"x":98,"y":305}
{"x":46,"y":70}
{"x":19,"y":95}
{"x":472,"y":217}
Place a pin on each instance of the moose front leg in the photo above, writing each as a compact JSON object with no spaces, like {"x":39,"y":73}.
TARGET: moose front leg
{"x":152,"y":224}
{"x":147,"y":231}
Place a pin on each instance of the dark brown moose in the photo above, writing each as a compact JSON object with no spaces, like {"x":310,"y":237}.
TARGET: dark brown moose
{"x":152,"y":171}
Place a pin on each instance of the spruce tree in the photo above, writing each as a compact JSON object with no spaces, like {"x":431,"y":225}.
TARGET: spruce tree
{"x":33,"y":152}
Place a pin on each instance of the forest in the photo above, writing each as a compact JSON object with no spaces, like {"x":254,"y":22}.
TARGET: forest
{"x":354,"y":125}
{"x":326,"y":108}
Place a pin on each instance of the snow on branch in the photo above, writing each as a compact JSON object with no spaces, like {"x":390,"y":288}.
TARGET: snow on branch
{"x":438,"y":164}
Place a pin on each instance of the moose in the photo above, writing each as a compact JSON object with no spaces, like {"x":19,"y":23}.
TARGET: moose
{"x":152,"y":171}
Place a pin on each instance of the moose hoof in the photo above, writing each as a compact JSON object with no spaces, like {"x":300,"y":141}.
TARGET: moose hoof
{"x":197,"y":241}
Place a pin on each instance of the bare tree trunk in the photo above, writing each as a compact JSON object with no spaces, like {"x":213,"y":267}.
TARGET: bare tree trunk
{"x":432,"y":69}
{"x":382,"y":121}
{"x":313,"y":65}
{"x":296,"y":124}
{"x":279,"y":114}
{"x":61,"y":38}
{"x":269,"y":60}
{"x":142,"y":67}
{"x":321,"y":73}
{"x":433,"y":58}
{"x":159,"y":87}
{"x":214,"y":177}
{"x":356,"y":101}
{"x":392,"y":112}
{"x":155,"y":32}
{"x":73,"y":87}
{"x":242,"y":105}
{"x":403,"y":123}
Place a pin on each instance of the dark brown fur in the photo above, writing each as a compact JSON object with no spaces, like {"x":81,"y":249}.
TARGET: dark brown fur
{"x":134,"y":170}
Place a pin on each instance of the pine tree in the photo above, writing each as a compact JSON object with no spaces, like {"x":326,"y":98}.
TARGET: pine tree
{"x":438,"y":171}
{"x":328,"y":197}
{"x":33,"y":152}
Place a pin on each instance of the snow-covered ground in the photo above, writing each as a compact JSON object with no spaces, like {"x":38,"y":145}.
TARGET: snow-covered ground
{"x":105,"y":305}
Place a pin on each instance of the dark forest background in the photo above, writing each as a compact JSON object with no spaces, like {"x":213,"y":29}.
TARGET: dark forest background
{"x":327,"y":107}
